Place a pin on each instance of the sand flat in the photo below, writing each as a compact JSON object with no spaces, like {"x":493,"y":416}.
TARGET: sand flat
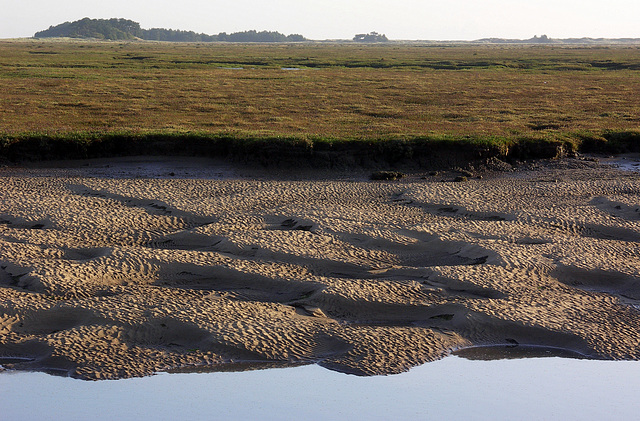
{"x":105,"y":277}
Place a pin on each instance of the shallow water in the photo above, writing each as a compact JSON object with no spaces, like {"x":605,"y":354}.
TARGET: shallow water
{"x":453,"y":388}
{"x":627,"y":162}
{"x":132,"y":167}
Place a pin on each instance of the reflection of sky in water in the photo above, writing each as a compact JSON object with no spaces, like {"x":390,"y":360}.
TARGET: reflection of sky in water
{"x":630,"y":162}
{"x":453,"y":388}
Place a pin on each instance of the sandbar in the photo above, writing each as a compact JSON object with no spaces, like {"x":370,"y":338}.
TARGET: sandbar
{"x":123,"y":268}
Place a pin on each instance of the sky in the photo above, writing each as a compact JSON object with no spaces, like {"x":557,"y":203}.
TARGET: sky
{"x":342,"y":19}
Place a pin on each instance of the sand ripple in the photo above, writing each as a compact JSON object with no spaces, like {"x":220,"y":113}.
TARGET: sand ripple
{"x":109,"y":278}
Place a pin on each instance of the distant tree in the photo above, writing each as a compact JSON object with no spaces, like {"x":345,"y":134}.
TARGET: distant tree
{"x":113,"y":29}
{"x":123,"y":29}
{"x":263,"y":36}
{"x":371,"y":37}
{"x":296,"y":38}
{"x":160,"y":34}
{"x":543,"y":39}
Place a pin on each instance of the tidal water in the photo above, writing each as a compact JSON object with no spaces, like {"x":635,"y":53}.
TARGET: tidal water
{"x":626,"y":162}
{"x":453,"y":388}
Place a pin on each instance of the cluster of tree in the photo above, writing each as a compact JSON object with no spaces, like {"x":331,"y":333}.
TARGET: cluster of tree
{"x":174,"y":35}
{"x":114,"y":29}
{"x":123,"y":29}
{"x":263,"y":36}
{"x":371,"y":37}
{"x":159,"y":34}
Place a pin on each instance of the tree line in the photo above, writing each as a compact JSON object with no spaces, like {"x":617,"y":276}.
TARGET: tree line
{"x":124,"y":29}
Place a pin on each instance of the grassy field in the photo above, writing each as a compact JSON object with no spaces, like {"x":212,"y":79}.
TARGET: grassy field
{"x":318,"y":91}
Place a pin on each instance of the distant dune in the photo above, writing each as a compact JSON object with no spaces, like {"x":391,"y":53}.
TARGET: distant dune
{"x":546,"y":40}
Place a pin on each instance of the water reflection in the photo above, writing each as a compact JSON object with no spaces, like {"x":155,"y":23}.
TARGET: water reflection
{"x":511,"y":352}
{"x":237,"y":367}
{"x":625,"y":162}
{"x":474,"y":353}
{"x":453,"y":388}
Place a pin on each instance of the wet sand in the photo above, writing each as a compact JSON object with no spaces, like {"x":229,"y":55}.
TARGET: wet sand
{"x":114,"y":270}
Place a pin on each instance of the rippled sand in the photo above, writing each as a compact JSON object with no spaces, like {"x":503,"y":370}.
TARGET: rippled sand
{"x":118,"y":271}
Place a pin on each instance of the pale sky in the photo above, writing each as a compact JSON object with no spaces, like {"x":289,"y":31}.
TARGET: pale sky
{"x":342,"y":19}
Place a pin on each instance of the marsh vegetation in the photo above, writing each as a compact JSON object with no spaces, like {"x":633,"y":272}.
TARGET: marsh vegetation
{"x":499,"y":95}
